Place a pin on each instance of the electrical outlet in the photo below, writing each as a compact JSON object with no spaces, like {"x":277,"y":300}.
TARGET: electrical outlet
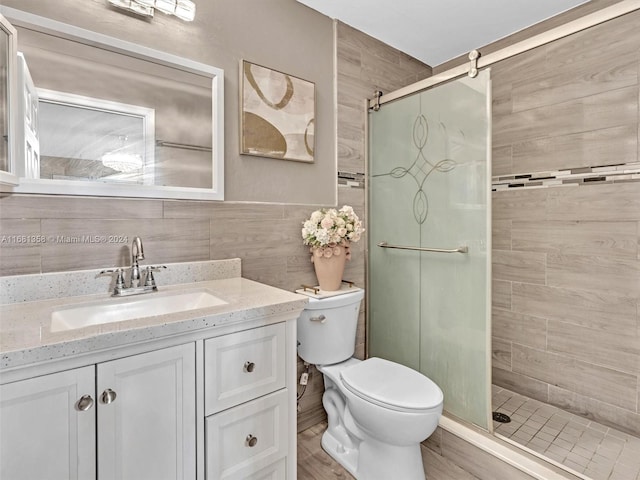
{"x":304,"y":378}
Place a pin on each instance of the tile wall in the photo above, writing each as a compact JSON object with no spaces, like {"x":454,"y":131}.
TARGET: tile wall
{"x":566,"y":259}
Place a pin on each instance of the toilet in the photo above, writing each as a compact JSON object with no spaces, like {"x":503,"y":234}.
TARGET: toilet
{"x":378,"y":411}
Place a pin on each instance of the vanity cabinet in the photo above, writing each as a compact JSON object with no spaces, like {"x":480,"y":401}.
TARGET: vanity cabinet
{"x":246,"y":404}
{"x":141,"y":409}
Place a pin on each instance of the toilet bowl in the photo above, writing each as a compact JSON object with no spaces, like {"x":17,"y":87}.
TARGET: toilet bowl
{"x":378,"y":411}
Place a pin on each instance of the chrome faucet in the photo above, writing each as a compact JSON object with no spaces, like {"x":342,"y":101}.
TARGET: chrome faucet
{"x":134,"y":288}
{"x":137,"y":253}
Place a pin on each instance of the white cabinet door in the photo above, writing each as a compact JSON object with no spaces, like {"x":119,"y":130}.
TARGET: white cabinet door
{"x":147,"y":416}
{"x":45,"y":432}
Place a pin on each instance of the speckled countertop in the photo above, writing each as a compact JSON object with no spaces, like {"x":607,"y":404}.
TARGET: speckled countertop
{"x":25,"y":328}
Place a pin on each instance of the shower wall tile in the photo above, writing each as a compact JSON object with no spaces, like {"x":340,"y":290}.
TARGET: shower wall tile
{"x":501,"y":294}
{"x":521,"y":384}
{"x":610,"y":239}
{"x":609,"y":349}
{"x":601,"y":383}
{"x":572,"y":82}
{"x":599,"y":274}
{"x":501,"y":158}
{"x":527,"y":204}
{"x":610,"y":146}
{"x":612,"y":202}
{"x":604,"y":110}
{"x":500,"y":353}
{"x":518,"y":328}
{"x":501,"y":234}
{"x":600,"y":311}
{"x":519,"y":266}
{"x":601,"y":412}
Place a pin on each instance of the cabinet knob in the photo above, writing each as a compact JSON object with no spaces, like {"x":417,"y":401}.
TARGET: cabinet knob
{"x":85,"y":403}
{"x":251,"y":441}
{"x":108,"y":396}
{"x":249,"y":367}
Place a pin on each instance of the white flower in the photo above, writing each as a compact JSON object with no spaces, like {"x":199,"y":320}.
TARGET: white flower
{"x":331,"y":228}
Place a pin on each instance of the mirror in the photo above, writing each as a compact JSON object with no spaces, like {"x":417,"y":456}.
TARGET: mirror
{"x":8,"y":84}
{"x":116,"y":118}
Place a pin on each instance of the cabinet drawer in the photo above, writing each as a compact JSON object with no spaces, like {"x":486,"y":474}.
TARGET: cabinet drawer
{"x":246,"y":440}
{"x":243,"y":366}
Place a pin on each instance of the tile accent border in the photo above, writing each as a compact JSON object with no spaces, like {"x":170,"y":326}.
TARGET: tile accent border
{"x":351,"y":179}
{"x":624,"y":172}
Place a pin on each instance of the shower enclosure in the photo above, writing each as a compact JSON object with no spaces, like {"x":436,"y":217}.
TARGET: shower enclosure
{"x":429,"y":238}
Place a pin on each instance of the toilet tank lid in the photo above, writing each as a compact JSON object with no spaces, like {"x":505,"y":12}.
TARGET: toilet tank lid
{"x":335,"y":301}
{"x":391,"y":384}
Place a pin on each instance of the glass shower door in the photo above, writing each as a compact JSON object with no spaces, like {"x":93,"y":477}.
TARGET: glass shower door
{"x":429,"y":175}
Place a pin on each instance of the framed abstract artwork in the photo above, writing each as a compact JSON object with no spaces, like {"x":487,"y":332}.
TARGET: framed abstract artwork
{"x":278,"y":114}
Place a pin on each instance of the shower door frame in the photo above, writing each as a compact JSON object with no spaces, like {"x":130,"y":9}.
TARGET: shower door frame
{"x":601,"y":16}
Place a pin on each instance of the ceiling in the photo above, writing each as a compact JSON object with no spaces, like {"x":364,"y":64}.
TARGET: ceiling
{"x":435,"y":31}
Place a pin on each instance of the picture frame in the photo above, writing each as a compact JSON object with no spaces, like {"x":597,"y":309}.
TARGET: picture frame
{"x":277,"y":117}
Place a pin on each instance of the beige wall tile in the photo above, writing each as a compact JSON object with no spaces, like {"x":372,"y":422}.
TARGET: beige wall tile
{"x":601,"y":239}
{"x":604,"y":110}
{"x":501,"y":234}
{"x":599,"y":274}
{"x":609,"y":349}
{"x":611,"y":313}
{"x":519,"y":266}
{"x":519,"y":328}
{"x":519,"y":383}
{"x":165,"y":241}
{"x":601,"y":412}
{"x":20,"y":246}
{"x":500,"y":353}
{"x":599,"y":147}
{"x":559,"y":85}
{"x":57,"y":206}
{"x":609,"y":202}
{"x":520,"y":204}
{"x":501,"y":159}
{"x":501,"y":294}
{"x":604,"y":384}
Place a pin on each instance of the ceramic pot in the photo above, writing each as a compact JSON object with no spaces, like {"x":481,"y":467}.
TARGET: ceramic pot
{"x":329,"y":268}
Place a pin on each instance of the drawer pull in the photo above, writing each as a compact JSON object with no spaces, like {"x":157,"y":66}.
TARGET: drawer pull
{"x":85,"y":403}
{"x":108,"y":396}
{"x":321,"y":318}
{"x":251,"y":441}
{"x":249,"y":367}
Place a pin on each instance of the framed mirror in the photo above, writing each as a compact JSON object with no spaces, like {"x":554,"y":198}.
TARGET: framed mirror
{"x":116,"y":118}
{"x":8,"y":86}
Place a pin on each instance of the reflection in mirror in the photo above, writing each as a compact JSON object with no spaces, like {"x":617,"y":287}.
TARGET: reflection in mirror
{"x":83,"y":138}
{"x":8,"y":116}
{"x":126,"y":122}
{"x":4,"y":100}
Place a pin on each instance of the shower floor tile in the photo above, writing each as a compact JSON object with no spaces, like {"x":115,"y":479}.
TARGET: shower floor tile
{"x":589,"y":448}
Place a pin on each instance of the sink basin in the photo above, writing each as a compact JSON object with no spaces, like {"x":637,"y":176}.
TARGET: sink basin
{"x":118,"y":310}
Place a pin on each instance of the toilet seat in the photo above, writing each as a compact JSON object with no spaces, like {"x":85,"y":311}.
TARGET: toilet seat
{"x":391,"y":385}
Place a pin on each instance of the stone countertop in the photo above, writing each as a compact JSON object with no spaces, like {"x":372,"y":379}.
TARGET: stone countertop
{"x":25,"y":328}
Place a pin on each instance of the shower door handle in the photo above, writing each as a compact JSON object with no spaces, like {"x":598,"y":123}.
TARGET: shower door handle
{"x":461,"y":249}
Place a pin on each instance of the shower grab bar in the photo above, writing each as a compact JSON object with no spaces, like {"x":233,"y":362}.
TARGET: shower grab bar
{"x":462,"y":249}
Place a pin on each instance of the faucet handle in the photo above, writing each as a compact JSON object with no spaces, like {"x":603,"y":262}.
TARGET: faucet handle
{"x":119,"y":277}
{"x":149,"y":281}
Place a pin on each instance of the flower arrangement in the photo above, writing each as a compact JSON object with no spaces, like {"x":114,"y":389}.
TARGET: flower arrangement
{"x":328,"y":229}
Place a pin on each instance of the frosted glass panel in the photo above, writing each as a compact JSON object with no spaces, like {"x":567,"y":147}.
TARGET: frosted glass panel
{"x":429,"y":187}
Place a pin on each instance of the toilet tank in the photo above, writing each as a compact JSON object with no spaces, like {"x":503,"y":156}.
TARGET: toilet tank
{"x":327,"y":328}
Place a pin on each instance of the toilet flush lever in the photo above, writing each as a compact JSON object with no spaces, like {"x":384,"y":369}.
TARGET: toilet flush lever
{"x":321,"y":318}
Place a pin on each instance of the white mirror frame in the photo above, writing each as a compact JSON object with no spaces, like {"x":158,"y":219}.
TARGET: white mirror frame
{"x":9,"y":177}
{"x":75,"y":187}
